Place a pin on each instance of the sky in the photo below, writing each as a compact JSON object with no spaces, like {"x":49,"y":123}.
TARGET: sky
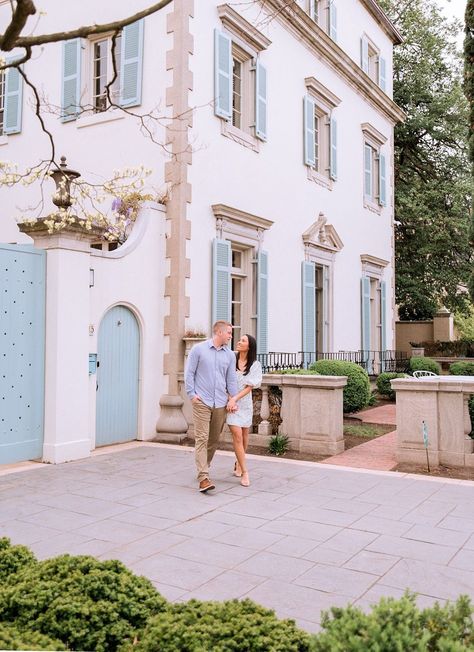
{"x":455,"y":9}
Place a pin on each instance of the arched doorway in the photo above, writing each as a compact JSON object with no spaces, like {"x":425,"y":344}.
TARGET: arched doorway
{"x":117,"y":377}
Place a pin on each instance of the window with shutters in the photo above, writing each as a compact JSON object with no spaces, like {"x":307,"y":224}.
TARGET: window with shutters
{"x":374,"y":316}
{"x":324,"y":14}
{"x":243,"y":115}
{"x":374,"y":163}
{"x":2,"y":100}
{"x":320,"y":133}
{"x":372,"y":62}
{"x":243,"y":284}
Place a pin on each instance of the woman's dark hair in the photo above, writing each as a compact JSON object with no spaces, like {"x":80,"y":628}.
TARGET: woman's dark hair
{"x":251,"y":354}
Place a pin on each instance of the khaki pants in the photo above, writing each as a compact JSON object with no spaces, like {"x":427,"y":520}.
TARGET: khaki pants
{"x":208,"y":424}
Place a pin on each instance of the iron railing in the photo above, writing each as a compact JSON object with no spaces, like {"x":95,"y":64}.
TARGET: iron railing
{"x":374,"y":362}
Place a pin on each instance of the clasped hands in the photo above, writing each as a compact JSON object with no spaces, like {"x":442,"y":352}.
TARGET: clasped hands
{"x":232,"y":405}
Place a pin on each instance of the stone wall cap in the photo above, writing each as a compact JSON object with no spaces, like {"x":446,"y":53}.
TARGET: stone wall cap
{"x":435,"y":384}
{"x":306,"y":380}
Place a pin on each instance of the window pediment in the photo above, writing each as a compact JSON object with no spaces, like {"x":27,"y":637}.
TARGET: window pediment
{"x":321,"y":93}
{"x":238,"y":225}
{"x":242,"y":29}
{"x":372,"y":134}
{"x":323,"y":236}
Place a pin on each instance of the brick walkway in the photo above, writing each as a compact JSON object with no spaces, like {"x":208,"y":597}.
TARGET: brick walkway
{"x":378,"y":454}
{"x":382,"y":415}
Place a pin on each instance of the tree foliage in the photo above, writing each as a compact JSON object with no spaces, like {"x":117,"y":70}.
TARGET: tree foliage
{"x":432,"y":176}
{"x":469,"y":72}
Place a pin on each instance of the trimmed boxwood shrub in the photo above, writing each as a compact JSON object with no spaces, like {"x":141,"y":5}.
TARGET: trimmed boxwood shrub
{"x":232,"y":626}
{"x":424,"y":364}
{"x":13,"y":559}
{"x":12,"y":639}
{"x":383,"y":383}
{"x":396,"y":625}
{"x":85,"y":603}
{"x":465,"y":369}
{"x":356,"y":393}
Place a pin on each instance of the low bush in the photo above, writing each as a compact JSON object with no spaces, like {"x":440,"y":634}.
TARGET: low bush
{"x":278,"y":444}
{"x":383,"y":383}
{"x":424,"y":364}
{"x":356,"y":393}
{"x":13,"y":559}
{"x":462,"y":369}
{"x":85,"y":603}
{"x":232,"y":626}
{"x":396,"y":625}
{"x":12,"y":639}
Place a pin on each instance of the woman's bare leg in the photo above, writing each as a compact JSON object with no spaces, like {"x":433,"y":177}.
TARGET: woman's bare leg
{"x":239,"y":449}
{"x":245,"y":438}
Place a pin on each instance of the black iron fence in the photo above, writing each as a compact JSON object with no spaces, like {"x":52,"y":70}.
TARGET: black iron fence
{"x":374,"y":362}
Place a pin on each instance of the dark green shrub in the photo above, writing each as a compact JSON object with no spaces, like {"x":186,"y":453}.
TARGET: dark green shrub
{"x":278,"y":444}
{"x":383,"y":383}
{"x":13,"y":559}
{"x":12,"y":639}
{"x":396,"y":626}
{"x":424,"y":364}
{"x":356,"y":393}
{"x":230,"y":626}
{"x":462,"y":369}
{"x":85,"y":603}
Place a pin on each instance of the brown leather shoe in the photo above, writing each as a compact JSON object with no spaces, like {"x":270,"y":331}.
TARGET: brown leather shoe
{"x":206,"y":485}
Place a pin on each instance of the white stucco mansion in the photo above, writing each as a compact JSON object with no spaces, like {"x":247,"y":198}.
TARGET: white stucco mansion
{"x":277,"y":137}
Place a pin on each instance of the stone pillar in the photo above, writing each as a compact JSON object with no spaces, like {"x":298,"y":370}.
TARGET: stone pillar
{"x":66,"y":419}
{"x":262,"y":437}
{"x":312,"y":412}
{"x":443,"y":326}
{"x":442,"y":404}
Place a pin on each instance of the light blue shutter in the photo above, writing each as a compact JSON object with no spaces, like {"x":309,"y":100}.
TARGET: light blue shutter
{"x":333,"y":155}
{"x":383,"y":319}
{"x":364,"y":54}
{"x":221,"y":280}
{"x":131,"y":64}
{"x":222,"y":75}
{"x":13,"y":100}
{"x":382,"y":73}
{"x":309,"y":135}
{"x":260,"y":101}
{"x":326,"y":290}
{"x":365,"y":310}
{"x":71,"y":80}
{"x":308,"y":304}
{"x":382,"y":181}
{"x":262,"y":302}
{"x":332,"y":20}
{"x":368,"y":171}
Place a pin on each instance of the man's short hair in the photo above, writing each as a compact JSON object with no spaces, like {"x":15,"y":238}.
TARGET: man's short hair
{"x":220,"y":326}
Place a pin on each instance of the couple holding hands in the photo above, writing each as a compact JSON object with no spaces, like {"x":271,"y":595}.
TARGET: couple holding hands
{"x":219,"y":384}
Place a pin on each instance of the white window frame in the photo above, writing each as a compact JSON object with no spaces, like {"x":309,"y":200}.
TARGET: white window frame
{"x":88,"y":85}
{"x":3,"y":88}
{"x":374,"y":269}
{"x":373,"y":139}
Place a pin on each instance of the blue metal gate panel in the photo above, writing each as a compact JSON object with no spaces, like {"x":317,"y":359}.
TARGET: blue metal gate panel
{"x":22,"y":340}
{"x":117,"y":377}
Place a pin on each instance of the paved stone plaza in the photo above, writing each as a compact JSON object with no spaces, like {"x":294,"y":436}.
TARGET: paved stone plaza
{"x":303,"y":537}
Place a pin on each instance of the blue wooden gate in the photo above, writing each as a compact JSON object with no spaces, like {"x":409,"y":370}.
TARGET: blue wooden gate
{"x":22,"y":339}
{"x":117,"y":377}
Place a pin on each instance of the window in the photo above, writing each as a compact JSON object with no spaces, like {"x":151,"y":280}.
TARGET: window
{"x":372,"y":62}
{"x":324,"y":13}
{"x":320,"y":132}
{"x":87,"y":70}
{"x":242,"y":284}
{"x":373,"y":310}
{"x":103,"y":72}
{"x":375,"y":192}
{"x":240,"y":79}
{"x":2,"y":101}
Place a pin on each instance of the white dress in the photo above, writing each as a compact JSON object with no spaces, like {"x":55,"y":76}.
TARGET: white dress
{"x":244,"y":415}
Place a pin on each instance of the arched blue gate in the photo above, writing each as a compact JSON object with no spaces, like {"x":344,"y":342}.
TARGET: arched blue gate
{"x":22,"y":350}
{"x":117,"y":377}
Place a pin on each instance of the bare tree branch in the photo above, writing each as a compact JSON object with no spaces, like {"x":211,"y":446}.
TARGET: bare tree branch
{"x":80,"y":32}
{"x":21,"y":13}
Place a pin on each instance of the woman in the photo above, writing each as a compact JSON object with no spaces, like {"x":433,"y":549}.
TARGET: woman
{"x":249,"y":375}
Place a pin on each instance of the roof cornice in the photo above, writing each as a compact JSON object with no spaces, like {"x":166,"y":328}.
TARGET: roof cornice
{"x":297,"y":21}
{"x":383,"y":20}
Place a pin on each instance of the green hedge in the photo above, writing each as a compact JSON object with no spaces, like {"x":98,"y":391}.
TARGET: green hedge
{"x":232,"y":626}
{"x":85,"y":603}
{"x":356,"y":393}
{"x":13,"y":559}
{"x":13,"y":639}
{"x":424,"y":364}
{"x":398,"y":626}
{"x":383,"y":383}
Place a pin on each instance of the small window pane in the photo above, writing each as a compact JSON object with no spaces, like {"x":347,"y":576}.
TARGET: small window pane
{"x":2,"y":100}
{"x":237,"y":94}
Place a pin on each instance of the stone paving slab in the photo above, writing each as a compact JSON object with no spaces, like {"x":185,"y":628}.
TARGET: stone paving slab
{"x":302,"y":538}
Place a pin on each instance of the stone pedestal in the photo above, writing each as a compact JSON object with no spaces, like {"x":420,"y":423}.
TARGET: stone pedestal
{"x":441,"y":402}
{"x":443,"y":326}
{"x":172,"y":425}
{"x":312,"y":412}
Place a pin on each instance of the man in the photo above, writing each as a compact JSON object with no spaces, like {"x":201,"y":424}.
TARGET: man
{"x":211,"y":380}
